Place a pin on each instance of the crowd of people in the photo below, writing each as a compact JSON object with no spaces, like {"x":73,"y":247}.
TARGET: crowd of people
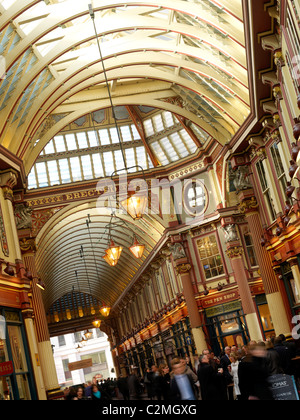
{"x":239,"y":373}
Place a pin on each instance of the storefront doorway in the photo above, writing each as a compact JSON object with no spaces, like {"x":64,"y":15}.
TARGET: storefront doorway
{"x":16,"y":378}
{"x":227,"y":329}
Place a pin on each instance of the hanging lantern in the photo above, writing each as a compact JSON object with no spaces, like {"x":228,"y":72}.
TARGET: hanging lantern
{"x":96,"y":323}
{"x":109,"y":261}
{"x":88,"y":334}
{"x":135,"y":205}
{"x":137,"y":249}
{"x":114,"y":252}
{"x":105,"y":310}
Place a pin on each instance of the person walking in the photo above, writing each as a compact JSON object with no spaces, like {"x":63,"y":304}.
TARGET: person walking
{"x":182,"y":385}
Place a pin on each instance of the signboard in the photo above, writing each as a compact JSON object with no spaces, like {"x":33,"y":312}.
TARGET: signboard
{"x":6,"y":368}
{"x":82,"y":364}
{"x":284,"y":388}
{"x":219,"y":299}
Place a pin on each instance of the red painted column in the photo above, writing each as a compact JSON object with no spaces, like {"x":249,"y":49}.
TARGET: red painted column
{"x":250,"y":207}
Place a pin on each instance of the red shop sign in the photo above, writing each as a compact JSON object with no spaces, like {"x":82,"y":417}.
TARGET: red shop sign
{"x":6,"y":368}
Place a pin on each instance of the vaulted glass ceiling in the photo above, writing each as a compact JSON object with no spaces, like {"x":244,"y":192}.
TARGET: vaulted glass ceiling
{"x":185,"y":57}
{"x":178,"y":68}
{"x":95,"y":153}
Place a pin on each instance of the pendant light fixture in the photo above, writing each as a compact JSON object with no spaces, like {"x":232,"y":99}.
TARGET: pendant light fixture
{"x":113,"y":253}
{"x":135,"y":204}
{"x":105,"y":310}
{"x":88,"y":335}
{"x":97,"y":322}
{"x":137,"y":249}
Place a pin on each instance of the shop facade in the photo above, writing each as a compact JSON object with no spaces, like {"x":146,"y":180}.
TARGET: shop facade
{"x":16,"y":373}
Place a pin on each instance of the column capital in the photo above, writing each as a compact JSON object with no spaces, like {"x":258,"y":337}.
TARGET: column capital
{"x":235,"y":252}
{"x":293,"y":261}
{"x":248,"y":204}
{"x":8,"y":179}
{"x":28,"y":245}
{"x":183,"y":268}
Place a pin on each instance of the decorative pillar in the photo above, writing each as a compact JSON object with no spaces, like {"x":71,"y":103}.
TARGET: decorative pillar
{"x":183,"y":268}
{"x":296,"y":272}
{"x":34,"y":353}
{"x":9,"y":235}
{"x":42,"y":331}
{"x":250,"y":207}
{"x":235,"y":253}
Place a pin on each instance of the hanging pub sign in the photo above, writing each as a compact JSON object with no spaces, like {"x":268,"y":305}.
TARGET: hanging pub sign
{"x":6,"y":369}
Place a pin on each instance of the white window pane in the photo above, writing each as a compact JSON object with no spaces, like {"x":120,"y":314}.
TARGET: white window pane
{"x":98,"y":169}
{"x":53,"y":172}
{"x":32,"y":183}
{"x":75,"y":168}
{"x":135,"y":133}
{"x":82,"y":140}
{"x":87,"y":167}
{"x":119,"y":159}
{"x":168,"y":119}
{"x":42,"y":174}
{"x":104,"y":137}
{"x":71,"y":142}
{"x":168,"y":147}
{"x":141,"y":157}
{"x":60,"y":144}
{"x":64,"y":171}
{"x":158,"y":123}
{"x":126,"y":133}
{"x":108,"y":163}
{"x":130,"y":158}
{"x":160,"y":154}
{"x":114,"y":135}
{"x":149,"y":130}
{"x":93,"y":139}
{"x":49,"y":149}
{"x":191,"y":145}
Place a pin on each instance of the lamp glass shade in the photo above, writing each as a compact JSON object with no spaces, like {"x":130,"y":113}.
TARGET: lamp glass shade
{"x":137,"y":249}
{"x":109,"y":261}
{"x":114,"y":252}
{"x":96,"y":323}
{"x":88,"y":334}
{"x":105,"y":310}
{"x":135,"y":205}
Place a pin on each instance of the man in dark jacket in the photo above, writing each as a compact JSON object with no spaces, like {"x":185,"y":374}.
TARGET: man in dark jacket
{"x":253,"y":375}
{"x":209,"y":380}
